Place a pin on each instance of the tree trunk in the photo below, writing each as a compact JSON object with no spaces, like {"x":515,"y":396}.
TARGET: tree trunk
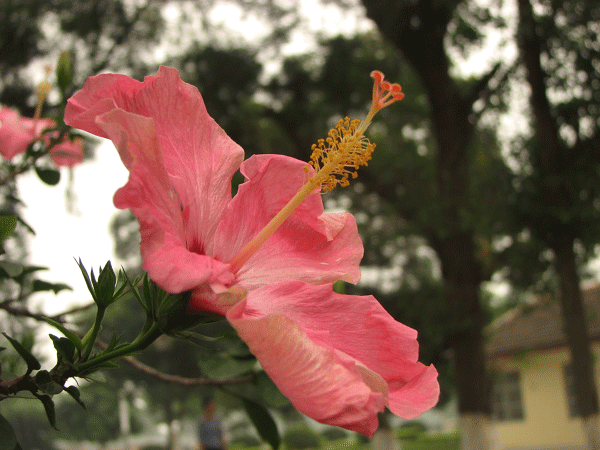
{"x":418,"y":29}
{"x":554,"y":200}
{"x":575,"y":327}
{"x":462,"y":278}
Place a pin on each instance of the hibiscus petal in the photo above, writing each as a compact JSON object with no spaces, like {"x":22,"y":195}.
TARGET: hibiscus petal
{"x":317,"y":383}
{"x":151,"y":198}
{"x":17,"y":132}
{"x":198,"y":156}
{"x":305,"y":335}
{"x":310,"y":246}
{"x":67,"y":153}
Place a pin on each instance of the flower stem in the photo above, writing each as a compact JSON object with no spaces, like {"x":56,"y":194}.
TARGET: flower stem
{"x":140,"y":343}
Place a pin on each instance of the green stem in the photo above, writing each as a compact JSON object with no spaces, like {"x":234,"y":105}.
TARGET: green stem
{"x":90,"y":338}
{"x":140,"y":343}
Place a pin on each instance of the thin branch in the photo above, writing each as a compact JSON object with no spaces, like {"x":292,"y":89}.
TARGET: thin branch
{"x":176,"y":379}
{"x":138,"y":365}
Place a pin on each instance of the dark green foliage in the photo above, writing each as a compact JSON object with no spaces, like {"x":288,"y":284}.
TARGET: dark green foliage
{"x":263,"y":422}
{"x":8,"y":439}
{"x":333,"y":433}
{"x":299,"y":438}
{"x":247,"y":441}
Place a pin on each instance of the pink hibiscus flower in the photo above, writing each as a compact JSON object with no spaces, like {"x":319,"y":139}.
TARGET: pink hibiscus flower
{"x":340,"y":359}
{"x":17,"y":132}
{"x":67,"y":153}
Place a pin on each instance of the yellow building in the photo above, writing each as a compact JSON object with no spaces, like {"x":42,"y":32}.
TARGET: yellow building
{"x":533,"y":397}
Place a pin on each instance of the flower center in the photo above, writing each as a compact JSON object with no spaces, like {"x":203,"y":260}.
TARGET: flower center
{"x":334,"y":159}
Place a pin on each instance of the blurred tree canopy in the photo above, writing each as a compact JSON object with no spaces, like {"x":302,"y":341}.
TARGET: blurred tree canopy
{"x":442,"y":208}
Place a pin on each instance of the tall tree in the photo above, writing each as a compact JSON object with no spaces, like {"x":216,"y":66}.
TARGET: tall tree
{"x":418,"y":29}
{"x":559,"y":198}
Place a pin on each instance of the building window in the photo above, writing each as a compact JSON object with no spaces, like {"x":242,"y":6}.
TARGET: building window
{"x":570,"y":388}
{"x":506,"y":397}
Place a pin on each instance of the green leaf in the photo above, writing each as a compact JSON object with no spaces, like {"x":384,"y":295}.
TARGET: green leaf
{"x":7,"y":226}
{"x":12,"y":269}
{"x":269,"y":392}
{"x":74,"y":392}
{"x":47,"y":384}
{"x":8,"y":439}
{"x":49,"y":408}
{"x":263,"y":422}
{"x":48,"y":176}
{"x":68,"y":333}
{"x":64,"y":347}
{"x":30,"y":360}
{"x":40,"y":285}
{"x":220,"y":366}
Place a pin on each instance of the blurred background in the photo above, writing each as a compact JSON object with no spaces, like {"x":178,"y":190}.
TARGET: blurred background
{"x":479,"y":211}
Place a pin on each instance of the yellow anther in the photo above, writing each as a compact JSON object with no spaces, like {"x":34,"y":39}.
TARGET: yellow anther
{"x":338,"y":157}
{"x":346,"y":148}
{"x":41,"y":93}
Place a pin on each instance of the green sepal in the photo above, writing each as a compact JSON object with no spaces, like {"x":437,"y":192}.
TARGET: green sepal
{"x":88,"y":281}
{"x":30,"y":360}
{"x":46,"y":383}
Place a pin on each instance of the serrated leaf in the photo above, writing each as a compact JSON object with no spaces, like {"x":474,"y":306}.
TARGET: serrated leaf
{"x":8,"y":439}
{"x":7,"y":226}
{"x":74,"y":392}
{"x":263,"y":422}
{"x":40,"y":285}
{"x":48,"y":176}
{"x":47,"y":384}
{"x":49,"y":408}
{"x":30,"y":360}
{"x":64,"y":347}
{"x":68,"y":333}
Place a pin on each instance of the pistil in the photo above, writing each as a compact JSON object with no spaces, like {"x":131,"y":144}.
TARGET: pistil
{"x":334,"y":159}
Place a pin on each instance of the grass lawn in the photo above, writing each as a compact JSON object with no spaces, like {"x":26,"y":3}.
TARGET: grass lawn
{"x":422,"y":442}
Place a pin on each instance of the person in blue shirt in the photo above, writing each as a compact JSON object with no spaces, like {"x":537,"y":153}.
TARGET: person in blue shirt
{"x":210,"y":430}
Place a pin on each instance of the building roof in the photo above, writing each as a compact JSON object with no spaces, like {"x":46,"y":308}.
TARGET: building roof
{"x":539,"y":325}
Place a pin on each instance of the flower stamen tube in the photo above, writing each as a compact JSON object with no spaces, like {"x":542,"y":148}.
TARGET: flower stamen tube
{"x":334,"y":159}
